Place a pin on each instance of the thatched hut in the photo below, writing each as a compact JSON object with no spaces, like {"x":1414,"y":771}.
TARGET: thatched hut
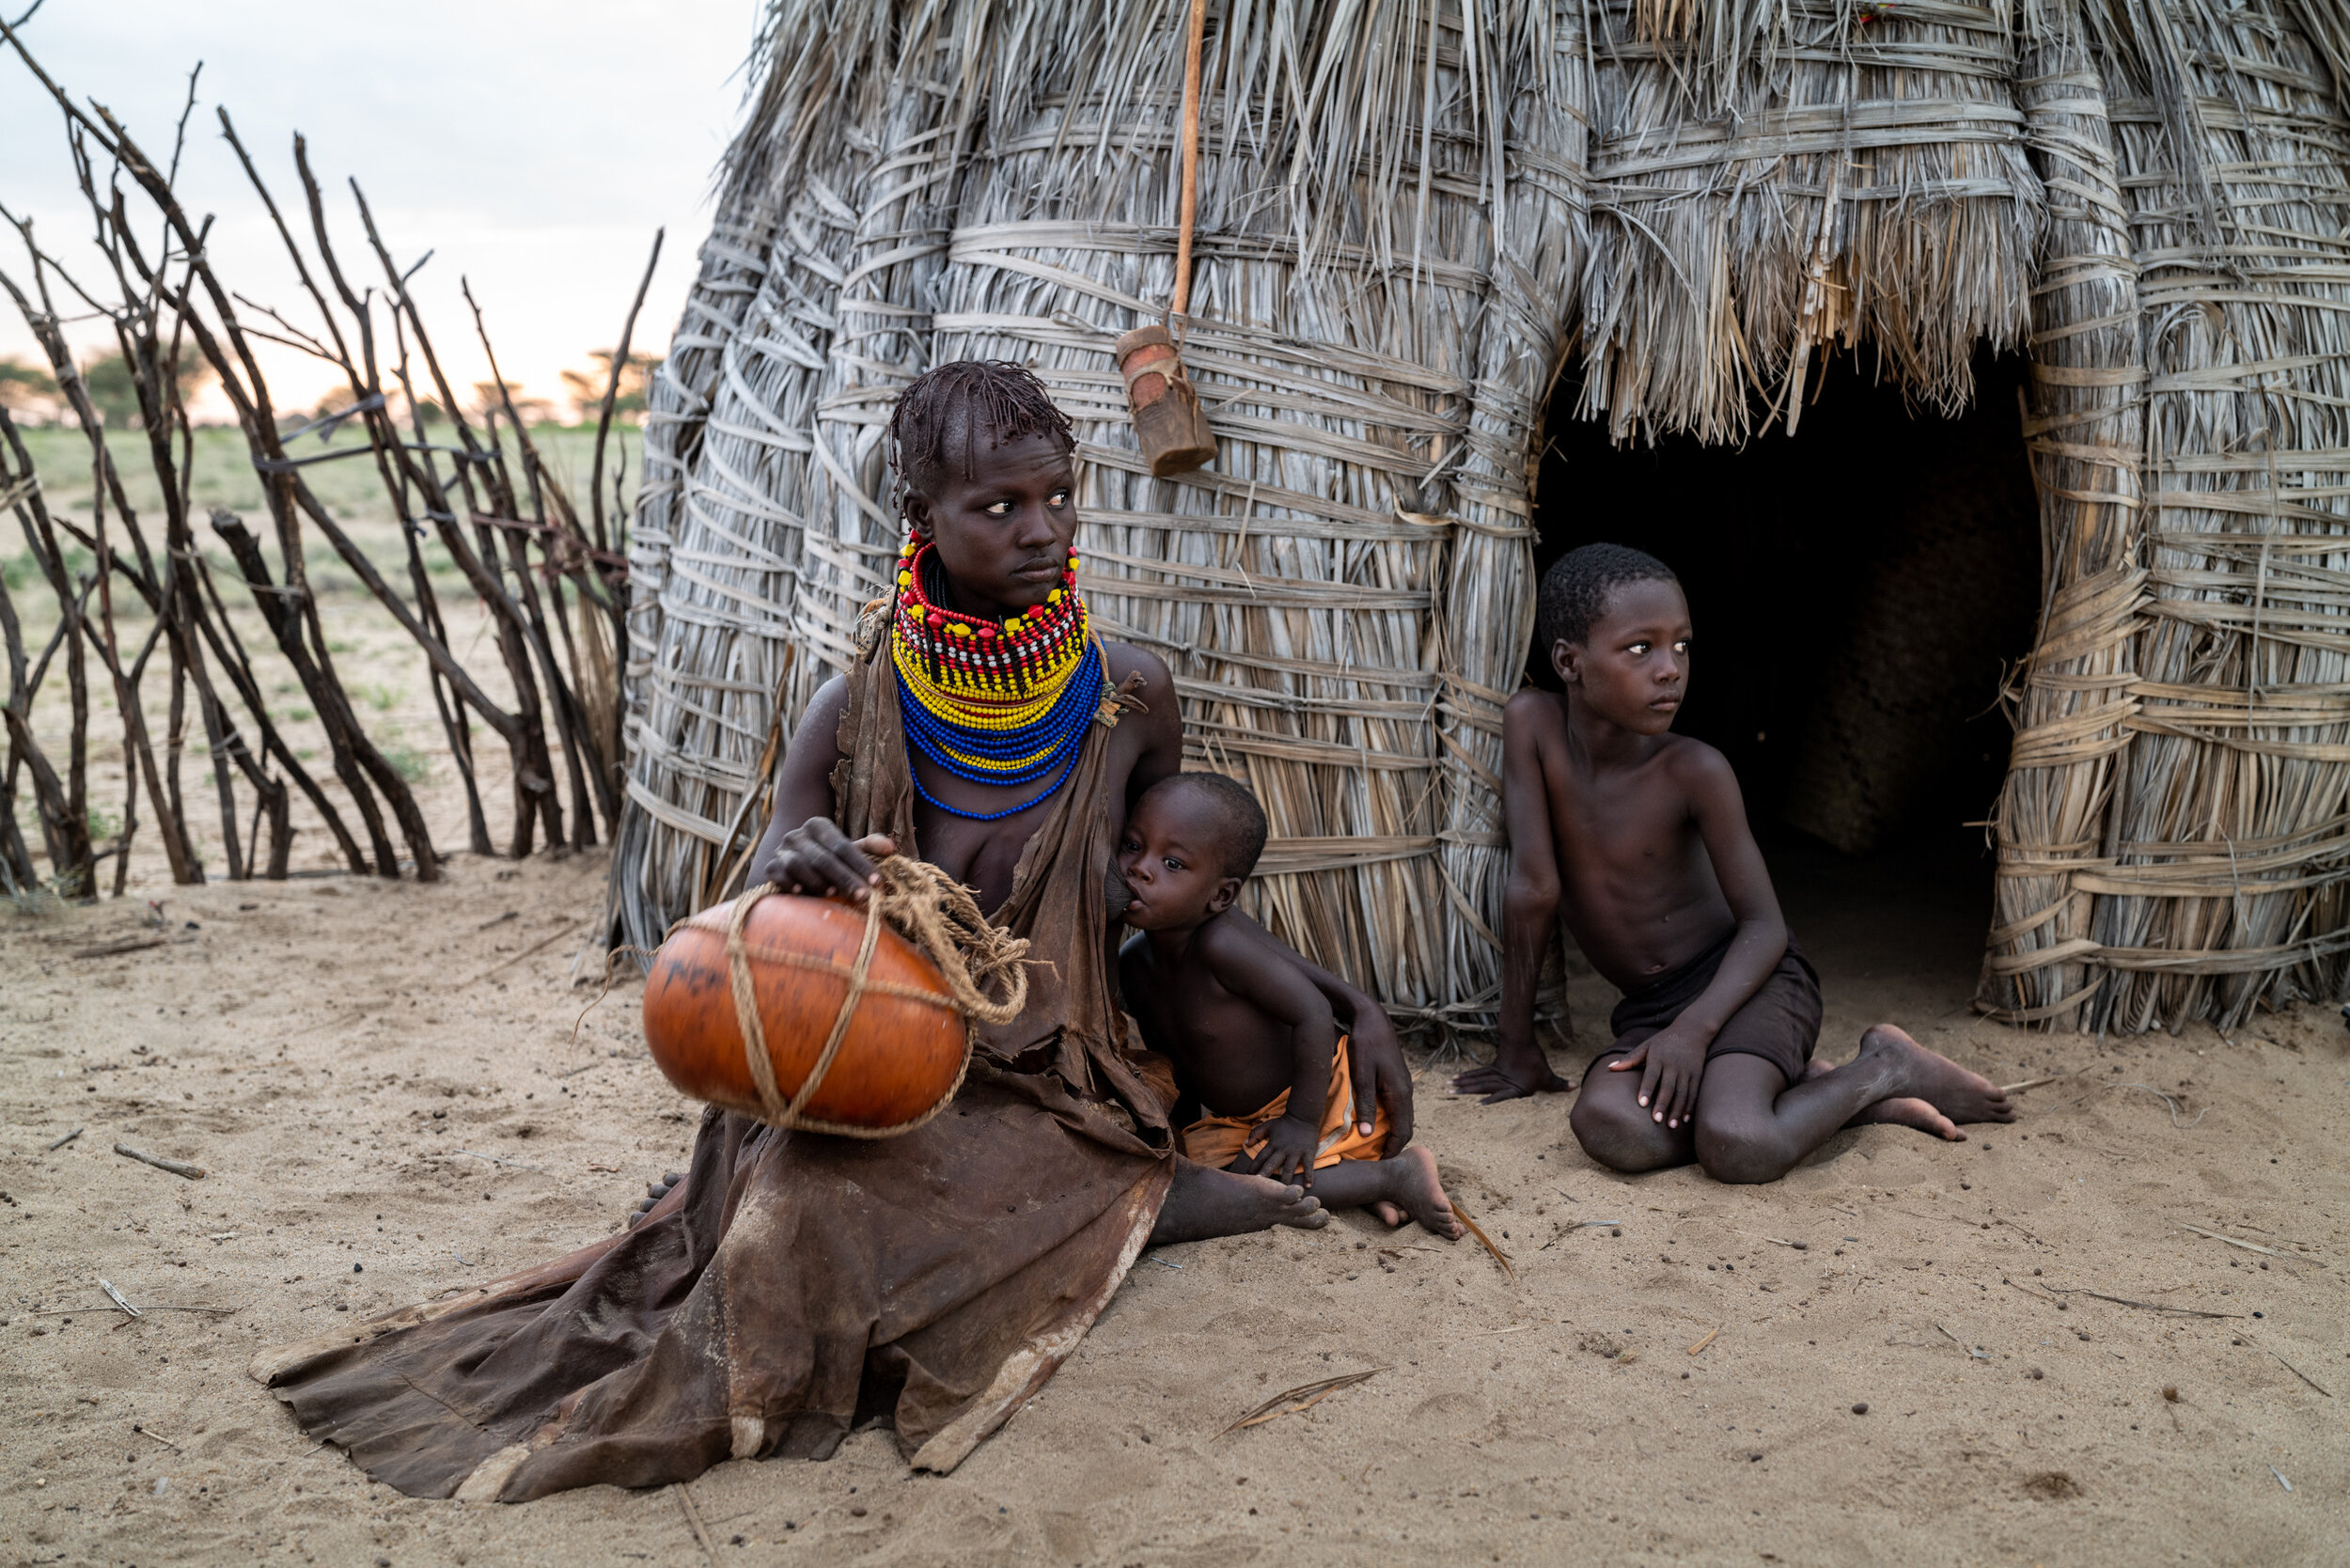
{"x":1436,"y":237}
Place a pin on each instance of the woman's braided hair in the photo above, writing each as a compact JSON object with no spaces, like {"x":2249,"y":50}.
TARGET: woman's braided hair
{"x":960,"y":400}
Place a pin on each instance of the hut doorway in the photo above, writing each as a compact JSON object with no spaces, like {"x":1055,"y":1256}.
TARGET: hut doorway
{"x":1858,"y":590}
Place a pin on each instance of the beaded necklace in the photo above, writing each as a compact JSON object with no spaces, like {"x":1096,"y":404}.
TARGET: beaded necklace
{"x":1001,"y":705}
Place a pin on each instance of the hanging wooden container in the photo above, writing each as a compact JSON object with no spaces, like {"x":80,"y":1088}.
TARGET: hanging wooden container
{"x":884,"y":1060}
{"x":1169,"y":420}
{"x":1169,"y":424}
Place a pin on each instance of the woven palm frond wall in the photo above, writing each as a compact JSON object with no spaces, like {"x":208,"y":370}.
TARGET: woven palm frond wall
{"x":1412,"y":216}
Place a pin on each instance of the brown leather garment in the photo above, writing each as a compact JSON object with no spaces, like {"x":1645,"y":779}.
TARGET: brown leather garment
{"x":795,"y":1282}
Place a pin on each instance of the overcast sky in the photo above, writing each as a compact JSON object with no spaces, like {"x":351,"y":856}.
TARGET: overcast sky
{"x":534,"y":146}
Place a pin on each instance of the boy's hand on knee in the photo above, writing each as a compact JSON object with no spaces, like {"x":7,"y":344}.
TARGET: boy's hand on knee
{"x":1381,"y":1079}
{"x":1671,"y":1064}
{"x":1288,"y":1154}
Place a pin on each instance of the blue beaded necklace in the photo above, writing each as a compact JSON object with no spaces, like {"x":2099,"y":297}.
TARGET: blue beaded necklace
{"x":1000,"y":753}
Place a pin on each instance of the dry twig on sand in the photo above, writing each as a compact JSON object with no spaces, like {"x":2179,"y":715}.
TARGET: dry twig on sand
{"x":2034,"y":1083}
{"x":63,"y":1141}
{"x":496,"y":1160}
{"x":1975,"y":1352}
{"x":2299,"y":1373}
{"x":118,"y":1298}
{"x":1306,"y":1396}
{"x":1475,"y":1229}
{"x":1711,"y":1335}
{"x":2172,"y":1103}
{"x":2251,"y":1247}
{"x":128,"y":944}
{"x":177,"y":1167}
{"x":2141,"y":1306}
{"x":693,"y":1518}
{"x":543,"y":942}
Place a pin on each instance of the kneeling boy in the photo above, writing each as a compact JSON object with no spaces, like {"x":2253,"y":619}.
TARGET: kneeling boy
{"x":1251,"y":1038}
{"x":1639,"y":837}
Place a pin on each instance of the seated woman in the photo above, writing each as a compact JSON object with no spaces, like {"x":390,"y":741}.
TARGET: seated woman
{"x":792,"y":1280}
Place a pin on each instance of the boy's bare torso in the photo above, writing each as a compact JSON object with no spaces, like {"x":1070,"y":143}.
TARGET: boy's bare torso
{"x":1227,"y":1051}
{"x":1638,"y":889}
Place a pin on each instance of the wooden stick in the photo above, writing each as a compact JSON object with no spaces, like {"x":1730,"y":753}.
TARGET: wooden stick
{"x":693,"y":1519}
{"x":335,"y":1023}
{"x":543,"y":942}
{"x":1973,"y":1353}
{"x":2297,"y":1373}
{"x":2034,"y":1083}
{"x":63,"y":1141}
{"x":2143,"y":1305}
{"x":128,"y":944}
{"x":158,"y":1436}
{"x":1475,"y":1229}
{"x":2249,"y":1247}
{"x":1191,"y":158}
{"x":494,"y":1160}
{"x":1310,"y":1394}
{"x":177,"y":1167}
{"x":612,"y":391}
{"x":1710,"y":1335}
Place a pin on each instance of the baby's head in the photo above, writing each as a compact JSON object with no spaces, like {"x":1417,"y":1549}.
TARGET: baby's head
{"x":1617,"y":629}
{"x":1190,"y":842}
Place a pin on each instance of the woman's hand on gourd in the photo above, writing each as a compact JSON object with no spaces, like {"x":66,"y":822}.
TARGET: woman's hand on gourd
{"x":816,"y":857}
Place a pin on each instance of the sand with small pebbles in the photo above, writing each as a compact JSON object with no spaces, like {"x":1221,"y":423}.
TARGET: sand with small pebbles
{"x":380,"y":1083}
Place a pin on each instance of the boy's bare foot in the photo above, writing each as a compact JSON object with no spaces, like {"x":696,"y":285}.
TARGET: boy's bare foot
{"x":1510,"y":1075}
{"x":1205,"y":1202}
{"x":1935,"y":1093}
{"x":1421,"y":1194}
{"x":1902,"y":1112}
{"x":1907,"y":1110}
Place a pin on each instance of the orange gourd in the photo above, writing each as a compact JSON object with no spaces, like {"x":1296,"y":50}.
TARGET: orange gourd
{"x":902,"y":1046}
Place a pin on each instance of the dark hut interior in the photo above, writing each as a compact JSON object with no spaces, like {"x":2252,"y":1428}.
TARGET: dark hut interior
{"x":1858,"y":590}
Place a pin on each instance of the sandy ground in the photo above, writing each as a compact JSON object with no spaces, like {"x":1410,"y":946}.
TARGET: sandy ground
{"x":379,"y":1083}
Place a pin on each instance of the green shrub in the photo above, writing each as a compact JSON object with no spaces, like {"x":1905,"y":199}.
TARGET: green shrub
{"x":407,"y":762}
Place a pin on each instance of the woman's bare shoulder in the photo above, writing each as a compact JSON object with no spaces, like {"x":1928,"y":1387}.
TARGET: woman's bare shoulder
{"x":1123,"y":659}
{"x":823,"y":709}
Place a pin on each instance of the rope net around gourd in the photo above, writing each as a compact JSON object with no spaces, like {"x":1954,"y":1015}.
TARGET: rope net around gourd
{"x":983,"y":965}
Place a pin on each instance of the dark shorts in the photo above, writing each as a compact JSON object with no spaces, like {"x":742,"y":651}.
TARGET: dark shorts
{"x":1780,"y":1022}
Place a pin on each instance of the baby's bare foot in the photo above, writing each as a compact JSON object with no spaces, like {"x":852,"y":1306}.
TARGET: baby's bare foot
{"x":1421,"y":1194}
{"x":1949,"y":1093}
{"x":1204,"y":1202}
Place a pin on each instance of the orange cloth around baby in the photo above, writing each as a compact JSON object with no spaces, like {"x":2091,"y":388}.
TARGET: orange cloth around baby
{"x":1217,"y":1141}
